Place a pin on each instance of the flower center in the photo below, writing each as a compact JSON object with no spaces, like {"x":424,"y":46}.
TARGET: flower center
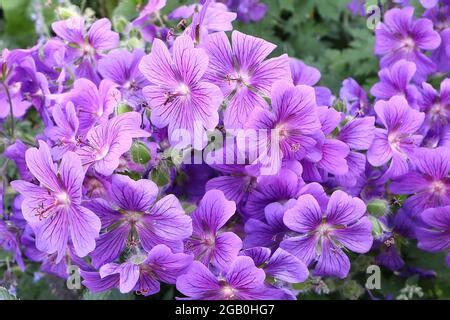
{"x":438,"y":110}
{"x":228,"y":292}
{"x":87,"y":49}
{"x":62,"y":199}
{"x":324,"y":229}
{"x":183,"y":89}
{"x":438,"y":187}
{"x":133,"y":216}
{"x":409,"y":44}
{"x":395,"y":140}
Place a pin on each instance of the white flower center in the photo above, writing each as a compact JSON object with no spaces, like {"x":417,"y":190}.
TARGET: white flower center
{"x":438,"y":187}
{"x":228,"y":292}
{"x":183,"y":89}
{"x":409,"y":43}
{"x":62,"y":198}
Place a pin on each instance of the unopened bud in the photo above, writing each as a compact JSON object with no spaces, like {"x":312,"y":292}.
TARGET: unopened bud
{"x":378,"y":207}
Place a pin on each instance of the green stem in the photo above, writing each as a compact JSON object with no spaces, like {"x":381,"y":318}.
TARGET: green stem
{"x":10,"y":107}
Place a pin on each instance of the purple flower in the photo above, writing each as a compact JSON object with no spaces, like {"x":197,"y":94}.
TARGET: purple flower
{"x":398,"y":141}
{"x":242,"y":73}
{"x":65,"y":133}
{"x":395,"y":80}
{"x":86,"y":47}
{"x":152,"y":7}
{"x":93,"y":105}
{"x":132,"y":216}
{"x":242,"y":280}
{"x":207,"y":17}
{"x":14,"y":86}
{"x":143,"y":273}
{"x":54,"y":208}
{"x":355,"y":98}
{"x":294,"y":120}
{"x":436,"y":106}
{"x":358,"y":135}
{"x":357,"y":7}
{"x":401,"y":37}
{"x":310,"y":76}
{"x":329,"y":155}
{"x":121,"y":67}
{"x":208,"y":242}
{"x":247,"y":10}
{"x":429,"y":185}
{"x":268,"y":233}
{"x":179,"y":97}
{"x":435,"y":235}
{"x":272,"y":188}
{"x":9,"y":241}
{"x":16,"y":152}
{"x":281,"y":265}
{"x":440,"y":16}
{"x":322,"y":234}
{"x":431,"y":3}
{"x":106,"y":143}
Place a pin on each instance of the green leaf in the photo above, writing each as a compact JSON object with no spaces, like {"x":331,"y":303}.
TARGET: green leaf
{"x":127,"y":9}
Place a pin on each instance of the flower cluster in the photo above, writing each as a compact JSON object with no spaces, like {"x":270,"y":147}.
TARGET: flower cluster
{"x":101,"y":189}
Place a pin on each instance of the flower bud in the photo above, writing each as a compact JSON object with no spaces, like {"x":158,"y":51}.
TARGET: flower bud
{"x":140,"y":153}
{"x":378,"y":207}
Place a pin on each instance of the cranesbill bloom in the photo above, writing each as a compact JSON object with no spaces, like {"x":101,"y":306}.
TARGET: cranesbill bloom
{"x":93,"y":105}
{"x":242,"y":73}
{"x":65,"y":133}
{"x":85,"y":48}
{"x":395,"y":80}
{"x":329,"y":155}
{"x":16,"y":152}
{"x":401,"y":37}
{"x":429,"y":184}
{"x":132,"y":216}
{"x":398,"y":141}
{"x":268,"y":233}
{"x":107,"y":142}
{"x":293,"y":119}
{"x":20,"y":105}
{"x":179,"y":98}
{"x":209,"y":17}
{"x":435,"y":235}
{"x":436,"y":106}
{"x":324,"y":234}
{"x":208,"y":242}
{"x":433,"y":3}
{"x":358,"y":135}
{"x":247,"y":10}
{"x":272,"y":188}
{"x":54,"y":208}
{"x":121,"y":67}
{"x":143,"y":273}
{"x":355,"y":98}
{"x":280,"y":265}
{"x":310,"y":76}
{"x":9,"y":241}
{"x":241,"y":281}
